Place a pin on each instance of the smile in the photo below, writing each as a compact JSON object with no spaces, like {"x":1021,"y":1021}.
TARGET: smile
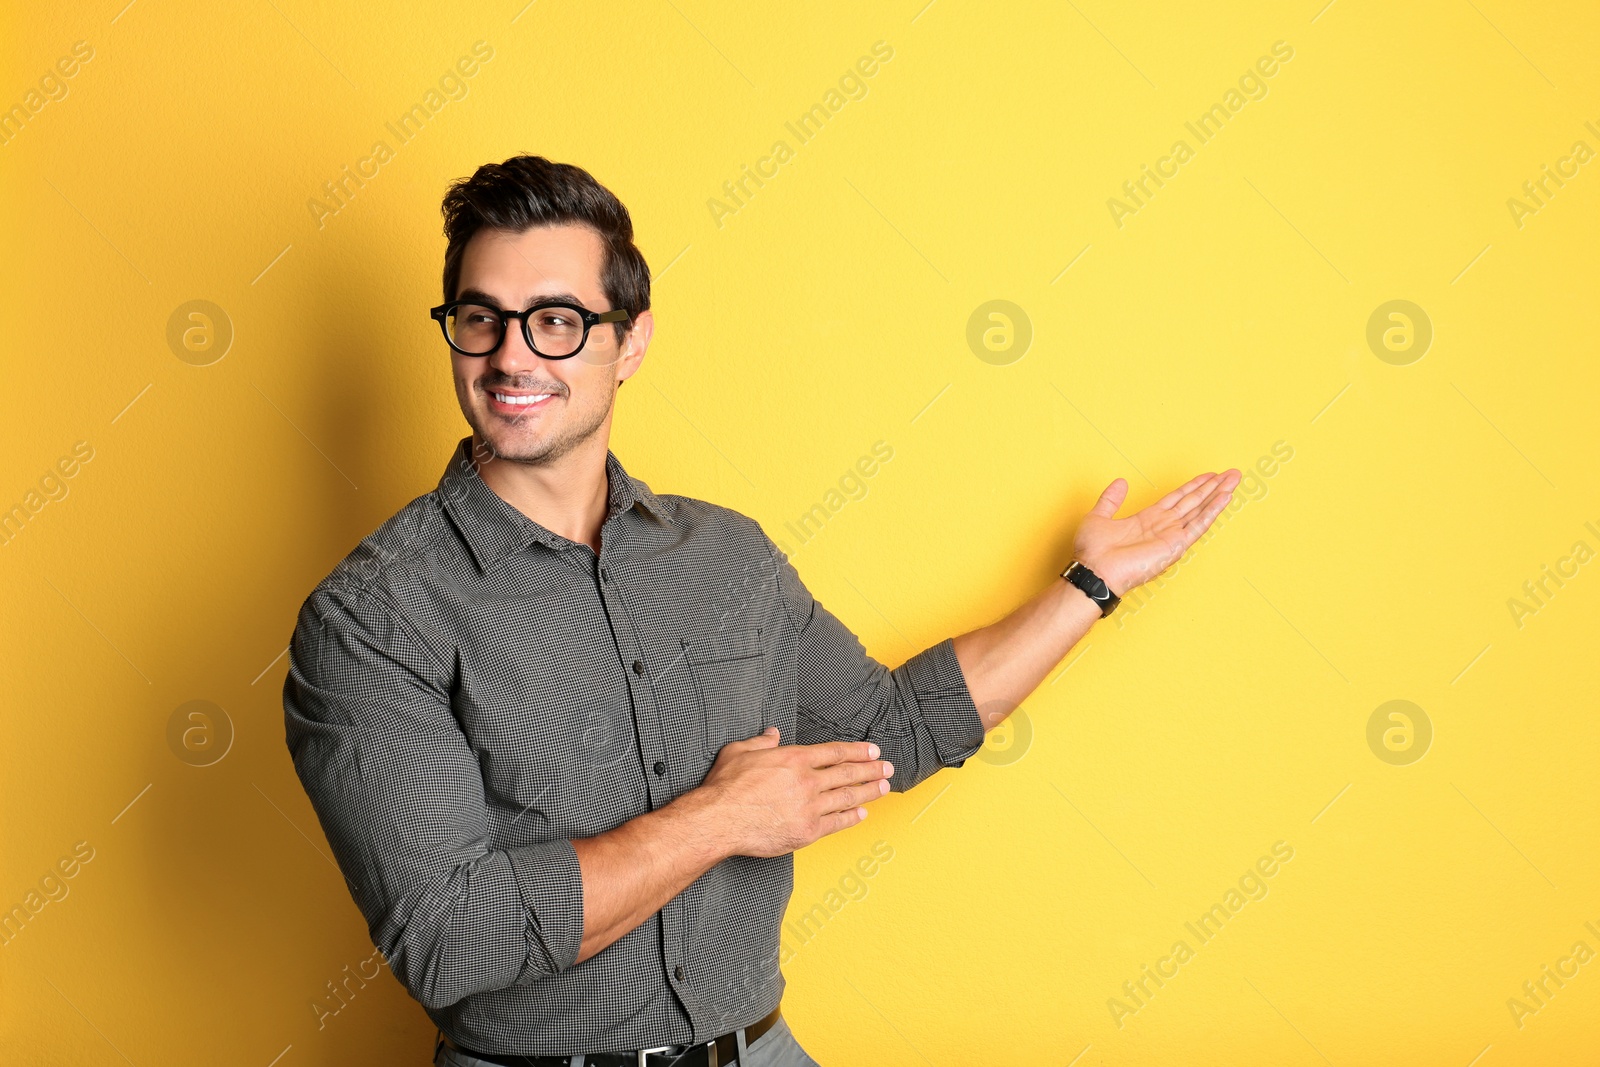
{"x":519,"y":402}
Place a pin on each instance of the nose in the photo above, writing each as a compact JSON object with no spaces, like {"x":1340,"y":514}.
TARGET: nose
{"x":514,"y":353}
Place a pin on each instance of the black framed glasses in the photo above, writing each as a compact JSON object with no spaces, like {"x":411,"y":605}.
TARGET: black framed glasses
{"x":553,"y":329}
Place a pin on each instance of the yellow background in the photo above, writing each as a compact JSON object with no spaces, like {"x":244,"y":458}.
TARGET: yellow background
{"x":1190,"y":732}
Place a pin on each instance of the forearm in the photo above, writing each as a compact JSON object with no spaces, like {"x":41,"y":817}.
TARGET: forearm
{"x":631,"y":871}
{"x":1006,"y":660}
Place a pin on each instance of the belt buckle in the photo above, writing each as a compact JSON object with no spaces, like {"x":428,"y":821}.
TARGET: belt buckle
{"x":709,"y":1046}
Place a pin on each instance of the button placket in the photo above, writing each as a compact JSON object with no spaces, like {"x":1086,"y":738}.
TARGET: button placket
{"x":650,"y":741}
{"x":670,"y":916}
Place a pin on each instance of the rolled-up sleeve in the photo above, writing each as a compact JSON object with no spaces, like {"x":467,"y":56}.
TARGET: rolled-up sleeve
{"x":921,"y":714}
{"x":400,"y":796}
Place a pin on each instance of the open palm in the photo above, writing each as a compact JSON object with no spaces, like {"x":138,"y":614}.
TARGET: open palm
{"x":1130,"y":551}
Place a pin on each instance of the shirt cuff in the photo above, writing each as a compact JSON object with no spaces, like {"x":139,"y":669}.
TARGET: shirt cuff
{"x":945,"y":703}
{"x":551,"y":885}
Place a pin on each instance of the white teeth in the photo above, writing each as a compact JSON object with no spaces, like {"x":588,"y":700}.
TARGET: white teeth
{"x":519,"y":400}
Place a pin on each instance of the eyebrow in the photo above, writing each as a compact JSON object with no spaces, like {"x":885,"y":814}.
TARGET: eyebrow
{"x":478,"y":296}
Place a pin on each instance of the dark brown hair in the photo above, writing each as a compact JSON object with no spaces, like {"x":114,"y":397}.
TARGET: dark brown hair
{"x":528,"y":191}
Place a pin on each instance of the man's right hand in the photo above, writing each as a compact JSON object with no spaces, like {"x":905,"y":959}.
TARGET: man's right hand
{"x":772,"y":799}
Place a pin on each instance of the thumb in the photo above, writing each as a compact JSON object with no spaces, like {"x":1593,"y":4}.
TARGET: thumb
{"x":1110,"y":500}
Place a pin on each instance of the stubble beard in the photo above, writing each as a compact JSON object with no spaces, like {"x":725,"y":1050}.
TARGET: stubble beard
{"x":511,"y":443}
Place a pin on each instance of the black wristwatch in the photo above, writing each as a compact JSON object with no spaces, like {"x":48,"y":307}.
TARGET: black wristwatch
{"x":1093,"y":586}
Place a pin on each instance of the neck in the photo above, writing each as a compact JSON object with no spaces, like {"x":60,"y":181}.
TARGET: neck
{"x":566,"y":495}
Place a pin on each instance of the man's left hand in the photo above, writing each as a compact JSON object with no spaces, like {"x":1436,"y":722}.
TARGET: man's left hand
{"x":1130,"y":551}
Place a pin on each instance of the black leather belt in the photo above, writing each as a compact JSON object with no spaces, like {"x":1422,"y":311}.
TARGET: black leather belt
{"x":716,"y":1053}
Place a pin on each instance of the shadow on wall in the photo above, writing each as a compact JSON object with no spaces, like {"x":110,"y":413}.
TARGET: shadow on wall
{"x":236,"y":855}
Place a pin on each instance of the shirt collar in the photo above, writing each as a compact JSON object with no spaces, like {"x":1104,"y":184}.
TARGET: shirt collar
{"x":494,"y":529}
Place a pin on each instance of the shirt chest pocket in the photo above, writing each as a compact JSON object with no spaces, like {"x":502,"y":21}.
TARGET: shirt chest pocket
{"x":729,"y":669}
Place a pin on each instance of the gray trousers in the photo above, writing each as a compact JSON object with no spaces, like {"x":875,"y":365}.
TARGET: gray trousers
{"x":775,"y":1048}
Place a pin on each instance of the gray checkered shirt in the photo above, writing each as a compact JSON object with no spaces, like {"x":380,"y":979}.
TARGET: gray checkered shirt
{"x":469,"y":691}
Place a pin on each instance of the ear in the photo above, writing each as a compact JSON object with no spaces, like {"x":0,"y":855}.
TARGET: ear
{"x":634,"y":344}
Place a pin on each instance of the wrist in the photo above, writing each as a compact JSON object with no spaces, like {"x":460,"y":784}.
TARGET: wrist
{"x":1072,"y":605}
{"x":1117,"y":583}
{"x":700,"y":815}
{"x":1092,"y":584}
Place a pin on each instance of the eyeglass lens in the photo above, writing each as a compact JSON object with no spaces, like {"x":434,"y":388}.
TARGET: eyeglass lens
{"x":557,"y":331}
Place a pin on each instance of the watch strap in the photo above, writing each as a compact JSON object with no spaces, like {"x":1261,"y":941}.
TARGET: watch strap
{"x":1093,"y":587}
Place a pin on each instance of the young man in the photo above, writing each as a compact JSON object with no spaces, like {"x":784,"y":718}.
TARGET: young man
{"x":564,"y":734}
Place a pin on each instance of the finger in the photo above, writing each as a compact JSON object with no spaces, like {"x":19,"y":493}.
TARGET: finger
{"x":830,"y":753}
{"x":852,"y":796}
{"x":1186,"y":508}
{"x":852,"y":773}
{"x":1178,"y":493}
{"x":1201,"y":518}
{"x":833,"y":822}
{"x":1227,"y":479}
{"x":767,"y":738}
{"x":1221,"y":491}
{"x":770,"y":734}
{"x":1190,"y":500}
{"x":1111,"y":499}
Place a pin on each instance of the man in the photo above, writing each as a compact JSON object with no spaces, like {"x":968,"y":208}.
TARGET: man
{"x":564,"y":734}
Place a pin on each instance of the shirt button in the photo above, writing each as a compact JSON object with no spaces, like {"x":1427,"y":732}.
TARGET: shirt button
{"x":677,"y":972}
{"x":638,"y":668}
{"x":605,"y":575}
{"x":661,"y":768}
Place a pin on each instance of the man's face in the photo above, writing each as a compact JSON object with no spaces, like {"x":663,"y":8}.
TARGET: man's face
{"x":513,"y":272}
